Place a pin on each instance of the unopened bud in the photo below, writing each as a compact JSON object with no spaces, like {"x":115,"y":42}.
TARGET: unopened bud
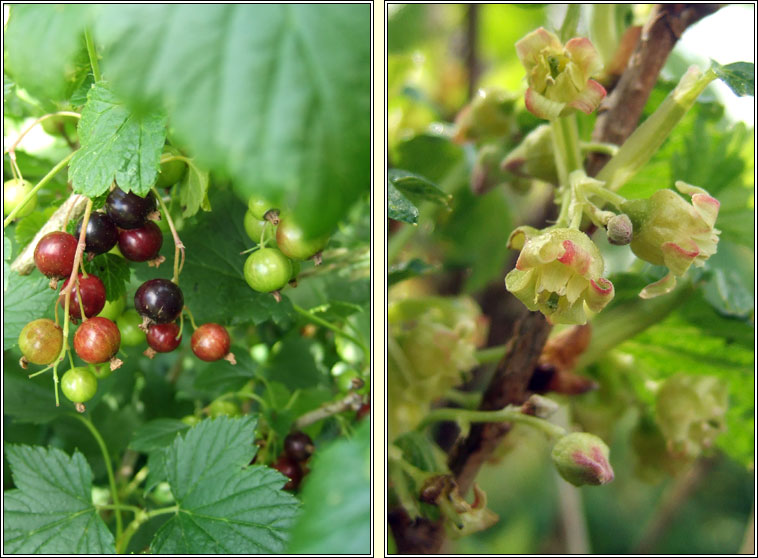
{"x":582,"y":458}
{"x":620,"y":230}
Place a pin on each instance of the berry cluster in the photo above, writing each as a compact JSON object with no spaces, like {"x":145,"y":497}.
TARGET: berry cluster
{"x":292,"y":463}
{"x":126,"y":223}
{"x":270,"y":269}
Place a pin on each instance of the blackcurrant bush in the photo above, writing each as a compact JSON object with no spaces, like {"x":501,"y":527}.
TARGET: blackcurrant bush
{"x":298,"y":446}
{"x":258,"y":207}
{"x":14,"y":192}
{"x":54,"y":254}
{"x":255,"y":228}
{"x":291,"y":469}
{"x":97,"y":340}
{"x":128,"y":324}
{"x":93,"y":297}
{"x":172,"y":171}
{"x":210,"y":342}
{"x":267,"y":270}
{"x":293,"y":242}
{"x":101,"y":235}
{"x":40,"y":341}
{"x":160,"y":300}
{"x":162,"y":338}
{"x":141,"y":244}
{"x":222,"y":407}
{"x":113,"y":308}
{"x":79,"y":384}
{"x":129,"y":211}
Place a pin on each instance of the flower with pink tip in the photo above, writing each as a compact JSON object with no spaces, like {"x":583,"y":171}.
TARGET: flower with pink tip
{"x":559,"y":75}
{"x":558,"y":272}
{"x":672,"y":232}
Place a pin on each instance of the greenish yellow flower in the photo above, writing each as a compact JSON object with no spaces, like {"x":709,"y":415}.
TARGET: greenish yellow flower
{"x":558,"y":272}
{"x":559,"y":75}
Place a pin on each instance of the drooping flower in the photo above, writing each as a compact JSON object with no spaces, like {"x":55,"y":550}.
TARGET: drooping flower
{"x":582,"y":458}
{"x":669,"y":231}
{"x":558,"y":272}
{"x":534,"y":156}
{"x":559,"y":75}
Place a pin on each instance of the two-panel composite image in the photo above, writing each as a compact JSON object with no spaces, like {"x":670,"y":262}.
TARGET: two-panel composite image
{"x":378,"y":278}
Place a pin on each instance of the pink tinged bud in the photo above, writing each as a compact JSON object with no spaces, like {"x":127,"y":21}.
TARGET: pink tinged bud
{"x":589,"y":98}
{"x":582,"y":458}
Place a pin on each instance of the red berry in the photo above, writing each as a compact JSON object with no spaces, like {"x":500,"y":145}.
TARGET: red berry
{"x":93,"y":297}
{"x":54,"y":254}
{"x":141,"y":244}
{"x":210,"y":342}
{"x":129,"y":211}
{"x":162,"y":337}
{"x":363,"y":411}
{"x":97,"y":340}
{"x":291,"y":469}
{"x":160,"y":300}
{"x":102,"y":234}
{"x":298,"y":446}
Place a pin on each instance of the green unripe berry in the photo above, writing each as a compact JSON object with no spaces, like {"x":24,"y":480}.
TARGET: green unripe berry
{"x":14,"y":192}
{"x":190,"y":420}
{"x":267,"y":270}
{"x":293,"y":242}
{"x":113,"y":308}
{"x":222,"y":407}
{"x":128,"y":324}
{"x":258,"y":207}
{"x":172,"y":171}
{"x":255,"y":228}
{"x":40,"y":341}
{"x":79,"y":384}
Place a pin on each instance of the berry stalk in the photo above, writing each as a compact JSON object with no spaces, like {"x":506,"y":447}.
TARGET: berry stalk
{"x":178,"y":245}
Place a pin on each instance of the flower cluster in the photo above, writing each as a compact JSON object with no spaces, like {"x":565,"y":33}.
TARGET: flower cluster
{"x":558,"y":272}
{"x":559,"y":75}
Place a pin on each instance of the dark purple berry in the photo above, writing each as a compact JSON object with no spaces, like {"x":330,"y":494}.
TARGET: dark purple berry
{"x":160,"y":300}
{"x":102,"y":234}
{"x":141,"y":244}
{"x":129,"y":211}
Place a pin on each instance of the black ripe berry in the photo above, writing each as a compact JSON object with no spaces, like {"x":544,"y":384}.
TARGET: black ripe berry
{"x":298,"y":446}
{"x":291,"y":469}
{"x":129,"y":211}
{"x":160,"y":300}
{"x":102,"y":234}
{"x":141,"y":244}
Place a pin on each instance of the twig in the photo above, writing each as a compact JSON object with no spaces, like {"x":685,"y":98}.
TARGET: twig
{"x":618,"y":115}
{"x":351,"y":401}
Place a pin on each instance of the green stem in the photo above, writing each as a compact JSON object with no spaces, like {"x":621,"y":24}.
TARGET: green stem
{"x":604,"y":193}
{"x":45,"y":179}
{"x":599,"y":147}
{"x":126,"y":507}
{"x":492,"y":354}
{"x":335,"y":329}
{"x":178,"y":245}
{"x":122,"y":542}
{"x":92,"y":55}
{"x":506,"y":414}
{"x":108,"y":468}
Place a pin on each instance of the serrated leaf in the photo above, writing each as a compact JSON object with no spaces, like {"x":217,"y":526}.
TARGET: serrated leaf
{"x":41,"y":47}
{"x":116,"y":144}
{"x":51,"y":511}
{"x":336,"y":495}
{"x":399,"y":207}
{"x":193,"y":193}
{"x":224,"y":505}
{"x":26,"y":298}
{"x":406,"y":270}
{"x":739,"y":76}
{"x":156,"y":434}
{"x":213,"y":281}
{"x":275,"y":96}
{"x":218,"y":377}
{"x":114,"y":271}
{"x":30,"y":400}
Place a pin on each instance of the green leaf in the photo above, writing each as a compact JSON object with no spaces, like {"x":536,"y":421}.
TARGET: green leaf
{"x":51,"y":511}
{"x":156,"y":434}
{"x":697,"y":340}
{"x":406,"y":270}
{"x":739,"y":76}
{"x":26,"y":298}
{"x":29,"y":400}
{"x":7,"y":253}
{"x":193,"y":193}
{"x":293,"y":363}
{"x":219,"y":377}
{"x":114,"y":271}
{"x":30,"y":225}
{"x":277,"y":97}
{"x":41,"y":47}
{"x":416,"y":187}
{"x":399,"y":207}
{"x":336,"y":494}
{"x":116,"y":144}
{"x":213,"y":280}
{"x":224,"y":505}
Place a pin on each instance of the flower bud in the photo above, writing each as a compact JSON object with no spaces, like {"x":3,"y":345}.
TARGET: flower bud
{"x":558,"y":75}
{"x":534,"y":157}
{"x":582,"y":458}
{"x":619,"y":229}
{"x":489,"y":115}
